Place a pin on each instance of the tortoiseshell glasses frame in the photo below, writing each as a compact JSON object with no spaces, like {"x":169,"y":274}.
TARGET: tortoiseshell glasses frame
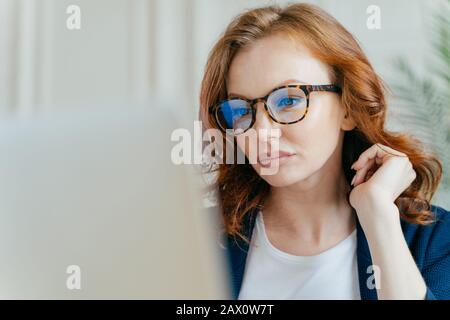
{"x":306,"y":89}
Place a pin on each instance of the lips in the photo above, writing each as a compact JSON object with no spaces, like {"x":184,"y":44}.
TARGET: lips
{"x":266,"y":161}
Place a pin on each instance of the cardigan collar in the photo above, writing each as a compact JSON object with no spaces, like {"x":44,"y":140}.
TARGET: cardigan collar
{"x":238,"y":250}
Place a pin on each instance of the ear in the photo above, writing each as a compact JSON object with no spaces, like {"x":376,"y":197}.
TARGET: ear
{"x":348,"y":123}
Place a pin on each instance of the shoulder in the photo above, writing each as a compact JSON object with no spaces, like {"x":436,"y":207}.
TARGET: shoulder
{"x":439,"y":227}
{"x":442,"y":217}
{"x":430,"y":247}
{"x":429,"y":243}
{"x":440,"y":235}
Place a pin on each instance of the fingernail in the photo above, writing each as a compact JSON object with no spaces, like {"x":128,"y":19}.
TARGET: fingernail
{"x":353,"y":180}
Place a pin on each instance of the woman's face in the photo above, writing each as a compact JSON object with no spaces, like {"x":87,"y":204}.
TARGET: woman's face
{"x":271,"y":62}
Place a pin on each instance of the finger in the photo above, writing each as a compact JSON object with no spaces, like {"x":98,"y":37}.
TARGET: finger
{"x":390,"y":150}
{"x":362,"y":172}
{"x":378,"y":152}
{"x":378,"y":161}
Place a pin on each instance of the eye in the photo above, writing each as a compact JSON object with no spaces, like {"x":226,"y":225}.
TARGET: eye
{"x":289,"y":102}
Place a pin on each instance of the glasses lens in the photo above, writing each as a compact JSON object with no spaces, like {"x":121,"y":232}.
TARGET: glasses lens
{"x":235,"y":114}
{"x":287,"y":104}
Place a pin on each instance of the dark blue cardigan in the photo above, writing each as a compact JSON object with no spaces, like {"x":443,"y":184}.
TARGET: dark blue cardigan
{"x":429,"y":245}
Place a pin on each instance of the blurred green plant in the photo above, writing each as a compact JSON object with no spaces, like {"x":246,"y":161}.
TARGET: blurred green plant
{"x":424,"y":100}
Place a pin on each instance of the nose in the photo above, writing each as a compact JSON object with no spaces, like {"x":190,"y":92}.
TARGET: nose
{"x":266,"y":128}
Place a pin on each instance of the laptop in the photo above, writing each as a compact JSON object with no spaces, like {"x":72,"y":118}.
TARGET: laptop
{"x":92,"y":207}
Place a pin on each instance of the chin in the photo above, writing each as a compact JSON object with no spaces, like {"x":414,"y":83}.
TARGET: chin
{"x":284,"y":177}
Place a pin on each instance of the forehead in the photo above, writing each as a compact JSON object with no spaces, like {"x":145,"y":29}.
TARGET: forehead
{"x":269,"y":63}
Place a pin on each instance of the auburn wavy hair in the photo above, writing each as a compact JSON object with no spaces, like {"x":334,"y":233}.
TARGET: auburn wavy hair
{"x":240,"y":189}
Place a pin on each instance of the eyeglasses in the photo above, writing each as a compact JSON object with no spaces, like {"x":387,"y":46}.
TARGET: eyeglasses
{"x":285,"y":105}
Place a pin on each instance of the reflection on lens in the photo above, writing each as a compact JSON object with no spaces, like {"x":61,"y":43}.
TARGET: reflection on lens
{"x":234,"y":114}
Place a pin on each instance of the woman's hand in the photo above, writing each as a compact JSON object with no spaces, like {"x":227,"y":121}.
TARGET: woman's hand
{"x":382,"y":174}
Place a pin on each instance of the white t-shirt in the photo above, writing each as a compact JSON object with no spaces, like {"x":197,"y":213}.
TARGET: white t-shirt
{"x":273,"y":274}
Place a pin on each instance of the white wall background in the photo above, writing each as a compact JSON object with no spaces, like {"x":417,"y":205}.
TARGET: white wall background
{"x":132,"y":48}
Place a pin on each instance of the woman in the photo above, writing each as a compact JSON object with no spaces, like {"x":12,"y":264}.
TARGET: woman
{"x":345,"y":214}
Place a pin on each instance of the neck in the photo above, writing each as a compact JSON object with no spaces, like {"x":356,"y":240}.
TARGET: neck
{"x":313,"y":209}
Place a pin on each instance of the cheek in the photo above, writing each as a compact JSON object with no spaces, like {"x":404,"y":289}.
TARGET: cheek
{"x":317,"y":135}
{"x":248,"y":146}
{"x":241,"y":144}
{"x":249,"y":143}
{"x":324,"y":118}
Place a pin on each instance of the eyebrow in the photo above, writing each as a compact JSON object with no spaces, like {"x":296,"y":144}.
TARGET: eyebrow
{"x":284,"y":83}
